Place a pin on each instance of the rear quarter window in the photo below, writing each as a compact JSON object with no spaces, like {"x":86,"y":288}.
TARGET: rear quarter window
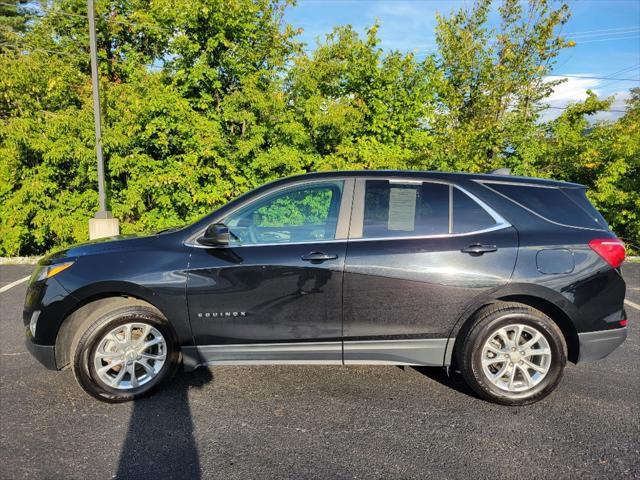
{"x":567,"y":206}
{"x":468,"y":216}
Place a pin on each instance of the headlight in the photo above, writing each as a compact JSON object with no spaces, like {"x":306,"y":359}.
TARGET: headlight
{"x":48,"y":271}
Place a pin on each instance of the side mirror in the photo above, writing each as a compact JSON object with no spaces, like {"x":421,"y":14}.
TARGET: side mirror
{"x":216,"y":235}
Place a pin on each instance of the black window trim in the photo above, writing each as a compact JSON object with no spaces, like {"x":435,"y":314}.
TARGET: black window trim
{"x":487,"y":183}
{"x":357,"y":214}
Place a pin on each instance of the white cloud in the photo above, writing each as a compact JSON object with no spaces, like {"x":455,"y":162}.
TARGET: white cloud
{"x":619,"y":104}
{"x":574,"y":89}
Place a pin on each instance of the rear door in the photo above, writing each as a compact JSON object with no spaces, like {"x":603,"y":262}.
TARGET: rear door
{"x":419,"y":252}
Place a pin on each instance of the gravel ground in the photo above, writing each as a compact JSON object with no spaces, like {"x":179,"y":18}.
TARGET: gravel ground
{"x":316,"y":422}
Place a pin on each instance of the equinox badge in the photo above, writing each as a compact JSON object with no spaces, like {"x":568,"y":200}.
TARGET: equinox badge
{"x":221,"y":314}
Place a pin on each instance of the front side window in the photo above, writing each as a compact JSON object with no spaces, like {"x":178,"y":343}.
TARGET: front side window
{"x":304,"y":213}
{"x":405,"y":209}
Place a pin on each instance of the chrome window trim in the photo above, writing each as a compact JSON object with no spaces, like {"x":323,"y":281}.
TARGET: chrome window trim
{"x":371,"y":239}
{"x":345,"y":209}
{"x":485,"y":182}
{"x":499,"y":219}
{"x":353,"y":199}
{"x":314,"y":242}
{"x":426,"y":237}
{"x":357,"y":215}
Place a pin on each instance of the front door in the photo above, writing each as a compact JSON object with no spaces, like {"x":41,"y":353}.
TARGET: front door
{"x":419,"y":253}
{"x":275,"y":293}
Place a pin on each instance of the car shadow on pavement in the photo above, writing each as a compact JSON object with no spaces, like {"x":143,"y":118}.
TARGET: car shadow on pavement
{"x":160,"y":440}
{"x":451,"y":379}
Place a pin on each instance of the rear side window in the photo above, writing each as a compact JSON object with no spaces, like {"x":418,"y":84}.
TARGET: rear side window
{"x":468,"y":216}
{"x":579,"y":196}
{"x":565,"y":206}
{"x":397,"y":209}
{"x":405,"y":209}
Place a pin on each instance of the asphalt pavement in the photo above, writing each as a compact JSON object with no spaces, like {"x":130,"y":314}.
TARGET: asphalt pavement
{"x":315,"y":421}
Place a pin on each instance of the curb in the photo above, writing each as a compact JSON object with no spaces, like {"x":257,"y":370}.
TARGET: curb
{"x":19,"y":260}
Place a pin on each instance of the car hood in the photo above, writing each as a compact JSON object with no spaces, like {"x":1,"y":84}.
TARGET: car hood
{"x":102,"y":245}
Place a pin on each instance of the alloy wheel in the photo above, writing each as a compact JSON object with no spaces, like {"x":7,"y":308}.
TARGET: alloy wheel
{"x":130,"y":355}
{"x":516,"y":358}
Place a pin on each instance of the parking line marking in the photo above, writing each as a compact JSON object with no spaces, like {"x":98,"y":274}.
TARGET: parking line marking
{"x":13,"y":284}
{"x":632,"y":304}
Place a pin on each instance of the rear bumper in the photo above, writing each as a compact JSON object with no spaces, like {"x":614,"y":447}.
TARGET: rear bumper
{"x":45,"y":354}
{"x":597,"y":345}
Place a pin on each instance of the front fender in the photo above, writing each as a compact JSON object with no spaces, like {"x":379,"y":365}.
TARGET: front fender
{"x":170,"y":301}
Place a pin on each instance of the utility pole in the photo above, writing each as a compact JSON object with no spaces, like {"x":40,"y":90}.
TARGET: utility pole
{"x":103,"y":224}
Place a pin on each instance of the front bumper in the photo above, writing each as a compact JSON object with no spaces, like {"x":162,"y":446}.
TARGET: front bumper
{"x":597,"y":345}
{"x":45,"y":354}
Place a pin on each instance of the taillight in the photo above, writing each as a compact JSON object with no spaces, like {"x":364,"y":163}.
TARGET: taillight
{"x":611,"y":249}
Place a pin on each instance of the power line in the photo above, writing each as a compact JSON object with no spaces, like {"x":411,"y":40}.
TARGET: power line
{"x":601,"y":30}
{"x":596,"y":78}
{"x":580,"y":42}
{"x":630,"y":69}
{"x":604,"y":34}
{"x":597,"y":110}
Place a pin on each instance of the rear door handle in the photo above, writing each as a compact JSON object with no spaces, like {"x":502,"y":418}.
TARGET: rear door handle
{"x":477,"y":249}
{"x":318,"y":257}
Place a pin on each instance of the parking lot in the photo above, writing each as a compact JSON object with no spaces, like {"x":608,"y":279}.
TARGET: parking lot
{"x":316,"y":421}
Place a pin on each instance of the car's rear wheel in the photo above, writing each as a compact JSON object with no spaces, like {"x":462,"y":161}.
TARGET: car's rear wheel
{"x":124,"y":353}
{"x":512,"y":354}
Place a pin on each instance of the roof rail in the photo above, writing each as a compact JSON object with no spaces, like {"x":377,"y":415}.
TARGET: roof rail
{"x":501,"y":171}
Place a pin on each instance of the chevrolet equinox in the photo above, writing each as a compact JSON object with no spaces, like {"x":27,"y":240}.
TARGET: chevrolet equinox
{"x":502,"y":278}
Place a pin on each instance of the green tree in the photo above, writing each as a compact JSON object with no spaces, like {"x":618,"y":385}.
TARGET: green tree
{"x":604,"y":156}
{"x":360,"y":107}
{"x":494,"y":80}
{"x":205,"y":99}
{"x":13,"y":22}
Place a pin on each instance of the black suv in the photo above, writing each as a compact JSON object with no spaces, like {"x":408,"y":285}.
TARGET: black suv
{"x":502,"y":278}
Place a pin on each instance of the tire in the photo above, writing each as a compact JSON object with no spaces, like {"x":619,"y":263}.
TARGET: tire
{"x":496,"y":352}
{"x":93,"y":350}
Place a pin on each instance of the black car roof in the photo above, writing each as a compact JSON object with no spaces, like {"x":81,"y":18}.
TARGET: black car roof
{"x":446,"y":176}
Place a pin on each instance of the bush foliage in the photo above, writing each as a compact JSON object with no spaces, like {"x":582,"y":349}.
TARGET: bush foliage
{"x":205,"y":99}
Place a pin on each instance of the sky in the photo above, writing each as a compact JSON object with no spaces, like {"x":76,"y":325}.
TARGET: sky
{"x":606,"y":32}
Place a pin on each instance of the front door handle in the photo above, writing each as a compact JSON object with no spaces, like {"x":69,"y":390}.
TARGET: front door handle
{"x":318,"y":257}
{"x":477,"y":249}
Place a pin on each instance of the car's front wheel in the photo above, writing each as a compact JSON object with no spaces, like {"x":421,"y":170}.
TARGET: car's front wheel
{"x":123,"y":353}
{"x":512,"y":354}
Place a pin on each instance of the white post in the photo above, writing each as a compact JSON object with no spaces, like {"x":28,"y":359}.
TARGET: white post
{"x":103,"y":224}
